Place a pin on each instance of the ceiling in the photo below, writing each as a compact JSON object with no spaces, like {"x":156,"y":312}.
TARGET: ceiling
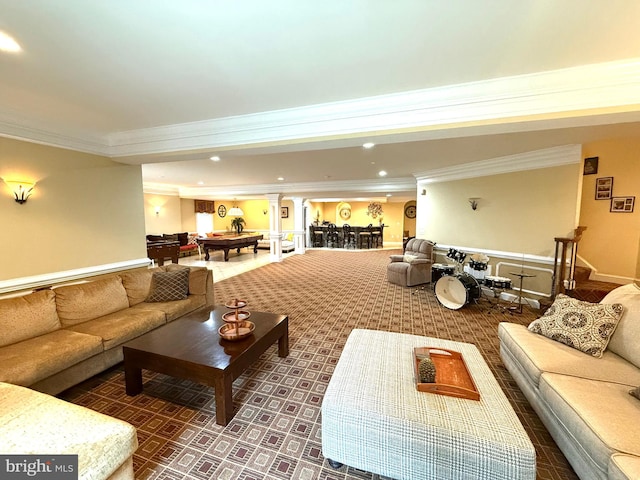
{"x":292,"y":89}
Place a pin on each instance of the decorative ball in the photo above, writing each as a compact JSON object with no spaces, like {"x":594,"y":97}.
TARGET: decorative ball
{"x":427,"y":370}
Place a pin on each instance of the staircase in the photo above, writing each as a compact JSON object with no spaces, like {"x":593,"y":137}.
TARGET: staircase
{"x":565,"y":269}
{"x":589,"y":290}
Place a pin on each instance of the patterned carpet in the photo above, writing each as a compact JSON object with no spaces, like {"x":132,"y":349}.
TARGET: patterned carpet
{"x":275,"y":433}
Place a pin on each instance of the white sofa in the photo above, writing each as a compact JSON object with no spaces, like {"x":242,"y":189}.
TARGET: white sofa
{"x":287,"y":243}
{"x":584,"y":401}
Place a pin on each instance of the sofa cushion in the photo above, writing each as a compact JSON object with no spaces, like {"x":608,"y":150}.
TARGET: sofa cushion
{"x":56,"y":351}
{"x":28,"y":316}
{"x":582,"y":325}
{"x":121,"y":326}
{"x":175,"y":309}
{"x":137,"y":283}
{"x":537,"y":354}
{"x":635,"y":392}
{"x":624,"y":340}
{"x":169,"y":286}
{"x":197,"y":278}
{"x":36,"y":423}
{"x":85,"y":301}
{"x":623,"y":467}
{"x":578,"y":404}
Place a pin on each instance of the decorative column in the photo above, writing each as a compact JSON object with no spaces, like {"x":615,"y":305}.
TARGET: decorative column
{"x":275,"y":227}
{"x":299,"y":229}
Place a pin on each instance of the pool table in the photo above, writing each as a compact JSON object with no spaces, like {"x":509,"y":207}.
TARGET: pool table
{"x":228,"y":242}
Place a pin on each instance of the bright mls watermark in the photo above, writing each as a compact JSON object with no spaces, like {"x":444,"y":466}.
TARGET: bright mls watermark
{"x":39,"y":467}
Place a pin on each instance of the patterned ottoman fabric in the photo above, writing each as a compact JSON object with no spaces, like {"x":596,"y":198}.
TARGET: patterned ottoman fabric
{"x":374,"y":419}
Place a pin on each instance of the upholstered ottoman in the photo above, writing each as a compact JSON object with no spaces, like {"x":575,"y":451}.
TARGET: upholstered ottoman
{"x":36,"y":423}
{"x":374,"y":419}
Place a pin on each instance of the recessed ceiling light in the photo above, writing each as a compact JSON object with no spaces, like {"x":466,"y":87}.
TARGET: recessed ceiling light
{"x":200,"y":182}
{"x":280,"y":179}
{"x":382,"y":173}
{"x":368,"y":145}
{"x":389,"y":195}
{"x":8,"y":44}
{"x":215,"y":158}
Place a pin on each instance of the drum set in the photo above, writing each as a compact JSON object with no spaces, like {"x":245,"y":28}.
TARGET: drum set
{"x":455,"y":288}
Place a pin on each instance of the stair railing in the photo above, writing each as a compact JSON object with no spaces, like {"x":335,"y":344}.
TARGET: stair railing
{"x":563,"y":275}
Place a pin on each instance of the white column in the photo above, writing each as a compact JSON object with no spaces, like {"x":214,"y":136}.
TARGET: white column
{"x":275,"y":227}
{"x":298,"y":224}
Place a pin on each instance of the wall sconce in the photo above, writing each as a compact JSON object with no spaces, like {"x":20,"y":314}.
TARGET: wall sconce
{"x":157,"y":210}
{"x":264,"y":211}
{"x":21,"y":190}
{"x":423,"y":192}
{"x":474,"y":203}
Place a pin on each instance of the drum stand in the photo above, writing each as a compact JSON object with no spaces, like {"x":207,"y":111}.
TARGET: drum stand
{"x":497,"y":292}
{"x":518,"y":309}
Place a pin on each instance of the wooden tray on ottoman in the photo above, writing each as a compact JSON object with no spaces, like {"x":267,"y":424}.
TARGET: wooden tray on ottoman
{"x":452,"y":375}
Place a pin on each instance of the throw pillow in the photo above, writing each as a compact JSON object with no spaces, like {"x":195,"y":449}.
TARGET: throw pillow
{"x":169,"y":286}
{"x":409,"y":258}
{"x":581,"y":325}
{"x":635,"y":392}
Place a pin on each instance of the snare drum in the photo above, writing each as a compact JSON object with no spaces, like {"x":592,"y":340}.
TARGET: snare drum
{"x":439,"y":270}
{"x":502,"y":283}
{"x":455,"y":291}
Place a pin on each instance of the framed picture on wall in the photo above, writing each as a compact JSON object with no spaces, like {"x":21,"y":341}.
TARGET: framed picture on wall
{"x":604,"y":188}
{"x":622,"y":204}
{"x":284,"y":212}
{"x":590,"y":166}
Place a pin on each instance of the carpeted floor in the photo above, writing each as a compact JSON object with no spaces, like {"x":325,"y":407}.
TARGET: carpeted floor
{"x":275,"y":433}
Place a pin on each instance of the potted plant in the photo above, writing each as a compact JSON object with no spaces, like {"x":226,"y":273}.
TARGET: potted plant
{"x":237,"y":224}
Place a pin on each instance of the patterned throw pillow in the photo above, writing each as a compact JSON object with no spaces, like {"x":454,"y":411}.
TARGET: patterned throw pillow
{"x":582,"y":325}
{"x":169,"y":286}
{"x":635,"y":392}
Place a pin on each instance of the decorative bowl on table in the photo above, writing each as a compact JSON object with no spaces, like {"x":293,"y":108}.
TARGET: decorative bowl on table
{"x":236,"y":325}
{"x":236,"y":316}
{"x":236,"y":304}
{"x":236,"y":330}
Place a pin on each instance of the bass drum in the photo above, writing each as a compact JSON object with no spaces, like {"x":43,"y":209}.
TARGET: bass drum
{"x":455,"y":291}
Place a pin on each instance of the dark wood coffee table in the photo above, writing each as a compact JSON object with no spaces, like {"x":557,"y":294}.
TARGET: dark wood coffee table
{"x":191,"y":348}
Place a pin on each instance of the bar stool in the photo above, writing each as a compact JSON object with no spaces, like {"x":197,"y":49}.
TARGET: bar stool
{"x":348,"y":236}
{"x":333,"y":238}
{"x":365,"y":236}
{"x":376,"y":236}
{"x":316,"y":237}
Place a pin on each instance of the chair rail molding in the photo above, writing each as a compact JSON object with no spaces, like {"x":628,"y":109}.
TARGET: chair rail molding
{"x":47,"y":279}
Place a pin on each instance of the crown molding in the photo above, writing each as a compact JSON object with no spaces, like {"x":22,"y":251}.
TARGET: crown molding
{"x":548,"y":157}
{"x":10,"y":127}
{"x":395,"y":185}
{"x":578,"y":89}
{"x":160,"y":189}
{"x":510,"y":102}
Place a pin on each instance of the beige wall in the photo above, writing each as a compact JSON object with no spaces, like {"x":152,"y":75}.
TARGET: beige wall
{"x":169,"y":218}
{"x":86,"y":211}
{"x":517,"y":212}
{"x":611,"y":241}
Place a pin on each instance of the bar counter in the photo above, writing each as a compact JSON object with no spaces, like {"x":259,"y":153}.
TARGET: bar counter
{"x":319,"y":235}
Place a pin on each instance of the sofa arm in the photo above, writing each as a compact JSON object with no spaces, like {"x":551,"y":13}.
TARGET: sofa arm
{"x":396,"y":258}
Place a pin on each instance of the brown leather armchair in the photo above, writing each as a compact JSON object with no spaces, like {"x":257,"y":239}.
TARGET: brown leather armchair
{"x":414,"y":267}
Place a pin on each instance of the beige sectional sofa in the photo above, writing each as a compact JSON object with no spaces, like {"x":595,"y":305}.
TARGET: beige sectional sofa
{"x":584,"y":401}
{"x":55,"y":338}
